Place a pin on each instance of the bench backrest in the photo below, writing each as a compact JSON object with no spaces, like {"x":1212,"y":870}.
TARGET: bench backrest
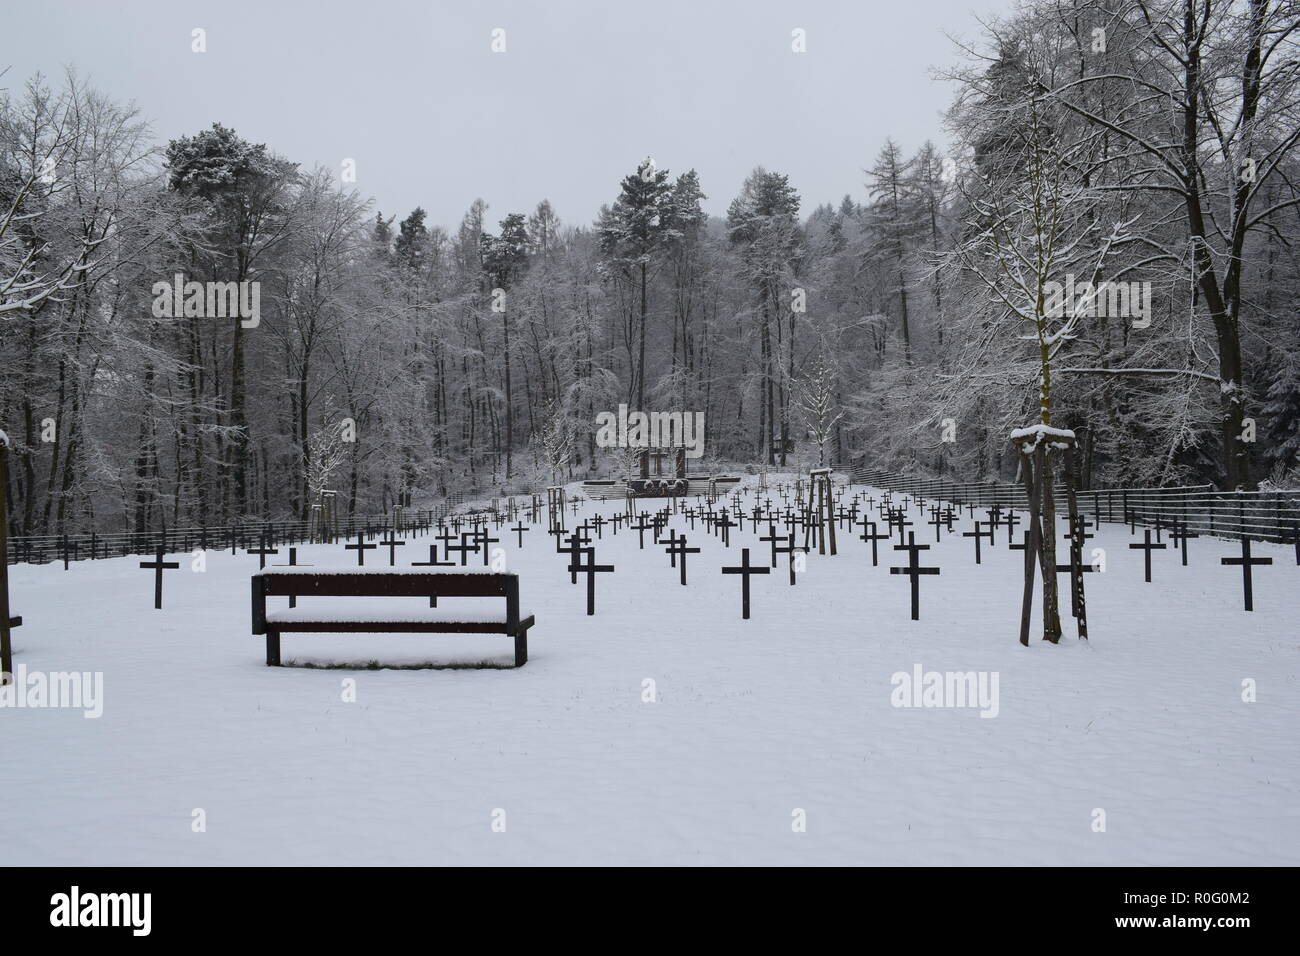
{"x":384,"y":583}
{"x":404,"y":584}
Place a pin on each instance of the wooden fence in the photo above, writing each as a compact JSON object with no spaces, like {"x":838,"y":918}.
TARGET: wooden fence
{"x":1261,"y":515}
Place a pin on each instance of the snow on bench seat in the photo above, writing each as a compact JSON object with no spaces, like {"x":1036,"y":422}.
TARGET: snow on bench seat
{"x":339,"y":613}
{"x":308,"y":571}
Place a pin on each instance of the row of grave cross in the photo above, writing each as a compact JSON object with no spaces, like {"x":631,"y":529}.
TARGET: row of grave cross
{"x":730,"y":514}
{"x":93,"y":546}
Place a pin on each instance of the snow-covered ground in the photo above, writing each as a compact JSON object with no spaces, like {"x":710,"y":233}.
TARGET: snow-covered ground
{"x":751,"y":722}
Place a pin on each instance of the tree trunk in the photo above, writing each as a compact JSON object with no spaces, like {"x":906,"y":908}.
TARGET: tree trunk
{"x":640,"y":375}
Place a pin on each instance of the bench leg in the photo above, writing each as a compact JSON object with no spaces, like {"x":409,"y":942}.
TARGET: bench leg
{"x":521,"y":649}
{"x":272,"y":648}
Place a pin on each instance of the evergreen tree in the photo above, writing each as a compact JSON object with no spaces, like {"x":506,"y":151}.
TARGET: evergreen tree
{"x":632,"y":233}
{"x":894,"y":217}
{"x":763,"y":224}
{"x":247,"y":191}
{"x":505,"y":259}
{"x":412,"y":240}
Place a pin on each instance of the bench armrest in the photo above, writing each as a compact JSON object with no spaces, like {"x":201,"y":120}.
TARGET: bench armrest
{"x":259,"y":605}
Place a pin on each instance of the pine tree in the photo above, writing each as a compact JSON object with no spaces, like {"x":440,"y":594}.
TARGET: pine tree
{"x":248,"y":191}
{"x":505,"y":259}
{"x":412,"y":240}
{"x":632,"y":234}
{"x":894,"y":216}
{"x":763,"y":223}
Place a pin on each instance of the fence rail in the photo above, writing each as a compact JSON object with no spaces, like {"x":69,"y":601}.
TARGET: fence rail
{"x":40,"y":548}
{"x":1261,"y":515}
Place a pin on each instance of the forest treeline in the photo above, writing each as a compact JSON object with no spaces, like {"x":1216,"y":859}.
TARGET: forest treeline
{"x":1145,"y":147}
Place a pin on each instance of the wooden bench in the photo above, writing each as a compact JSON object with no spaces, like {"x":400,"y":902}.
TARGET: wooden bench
{"x":387,"y":582}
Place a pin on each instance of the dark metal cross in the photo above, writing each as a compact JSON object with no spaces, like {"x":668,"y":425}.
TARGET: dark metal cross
{"x":874,"y":537}
{"x":520,"y":528}
{"x":1179,"y":534}
{"x":914,"y":570}
{"x":772,"y":538}
{"x":576,"y":542}
{"x":590,"y":569}
{"x":977,"y":534}
{"x":158,"y":566}
{"x":746,"y":569}
{"x":1247,"y":562}
{"x":898,"y":519}
{"x":360,"y":548}
{"x":995,"y":517}
{"x":643,"y":526}
{"x":1146,"y":548}
{"x":672,"y":555}
{"x":392,"y":544}
{"x":726,"y":524}
{"x":677,"y":549}
{"x":262,"y":550}
{"x":1010,"y":519}
{"x":446,"y":538}
{"x":790,"y":549}
{"x":481,"y":537}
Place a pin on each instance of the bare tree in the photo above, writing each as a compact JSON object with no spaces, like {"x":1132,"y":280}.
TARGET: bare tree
{"x":816,"y":397}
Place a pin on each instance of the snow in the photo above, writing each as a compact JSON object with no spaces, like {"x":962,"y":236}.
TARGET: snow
{"x":751,"y":720}
{"x":1039,"y":431}
{"x":373,"y":570}
{"x":388,"y":609}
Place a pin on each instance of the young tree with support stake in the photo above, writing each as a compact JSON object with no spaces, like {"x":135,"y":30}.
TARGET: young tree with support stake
{"x":1035,"y":226}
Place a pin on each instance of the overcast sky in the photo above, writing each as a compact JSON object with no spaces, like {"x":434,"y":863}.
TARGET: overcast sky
{"x":413,"y":92}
